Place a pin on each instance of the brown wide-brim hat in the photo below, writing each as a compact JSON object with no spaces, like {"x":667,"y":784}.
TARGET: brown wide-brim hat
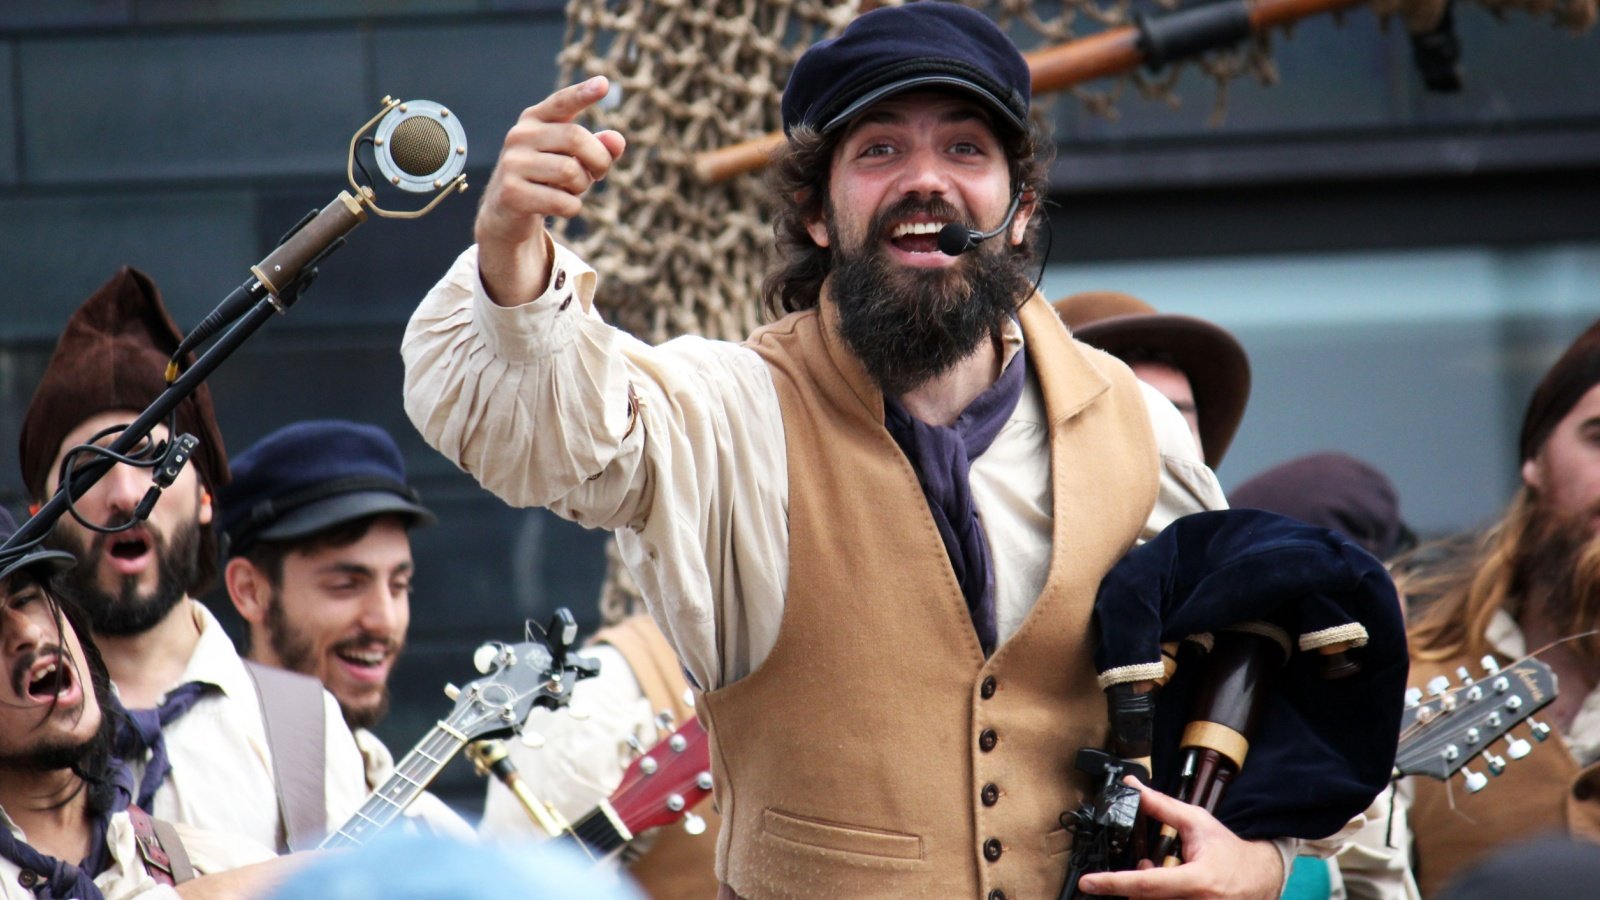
{"x":113,"y":356}
{"x":1213,"y":359}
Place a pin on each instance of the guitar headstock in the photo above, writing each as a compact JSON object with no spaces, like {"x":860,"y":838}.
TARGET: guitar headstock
{"x":661,"y":786}
{"x":518,"y":677}
{"x":1441,"y":735}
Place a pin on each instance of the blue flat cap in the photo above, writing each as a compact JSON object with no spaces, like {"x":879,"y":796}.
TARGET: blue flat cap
{"x":310,"y":476}
{"x":893,"y":49}
{"x":41,"y":561}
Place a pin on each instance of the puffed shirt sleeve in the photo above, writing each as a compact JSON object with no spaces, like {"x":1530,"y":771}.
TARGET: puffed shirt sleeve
{"x":678,"y":447}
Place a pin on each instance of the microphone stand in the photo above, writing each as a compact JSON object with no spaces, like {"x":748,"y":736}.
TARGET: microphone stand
{"x":276,"y":284}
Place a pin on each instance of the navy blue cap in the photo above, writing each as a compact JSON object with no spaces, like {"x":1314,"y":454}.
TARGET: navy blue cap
{"x":49,"y":561}
{"x":899,"y":48}
{"x":309,"y":476}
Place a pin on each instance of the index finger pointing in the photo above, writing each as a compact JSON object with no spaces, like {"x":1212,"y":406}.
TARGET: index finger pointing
{"x":565,"y":105}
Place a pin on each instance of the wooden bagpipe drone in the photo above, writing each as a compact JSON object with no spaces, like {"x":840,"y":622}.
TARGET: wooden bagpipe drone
{"x":1235,"y":634}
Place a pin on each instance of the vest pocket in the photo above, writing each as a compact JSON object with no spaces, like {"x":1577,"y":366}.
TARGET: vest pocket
{"x":840,"y":838}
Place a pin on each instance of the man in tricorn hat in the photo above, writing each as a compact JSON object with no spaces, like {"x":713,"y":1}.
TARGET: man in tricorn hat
{"x":1530,"y":581}
{"x":873,"y":531}
{"x":1197,"y":365}
{"x":211,"y":751}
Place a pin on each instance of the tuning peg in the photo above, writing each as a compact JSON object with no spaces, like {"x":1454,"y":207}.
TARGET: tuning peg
{"x":648,"y":765}
{"x":1463,"y":674}
{"x":1496,"y":764}
{"x":484,"y":657}
{"x":635,"y":744}
{"x":532,"y":739}
{"x":1516,"y":747}
{"x":703,"y":781}
{"x":678,"y":743}
{"x":1489,"y":664}
{"x":1413,"y":697}
{"x":688,"y":697}
{"x":1476,"y":781}
{"x":1541,"y":731}
{"x":694,"y":824}
{"x":1437,"y":685}
{"x":452,"y":691}
{"x":664,"y":721}
{"x":676,"y":803}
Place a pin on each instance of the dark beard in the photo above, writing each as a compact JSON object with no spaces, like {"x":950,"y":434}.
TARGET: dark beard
{"x":49,"y":756}
{"x":127,"y":613}
{"x":908,"y":326}
{"x":1558,"y":573}
{"x":295,"y":651}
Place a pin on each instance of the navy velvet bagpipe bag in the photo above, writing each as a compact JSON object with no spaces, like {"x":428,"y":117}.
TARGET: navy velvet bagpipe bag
{"x":1325,"y":726}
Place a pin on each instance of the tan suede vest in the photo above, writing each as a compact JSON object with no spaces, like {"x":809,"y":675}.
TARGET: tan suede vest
{"x":1541,"y":793}
{"x":875,"y":752}
{"x":678,"y":865}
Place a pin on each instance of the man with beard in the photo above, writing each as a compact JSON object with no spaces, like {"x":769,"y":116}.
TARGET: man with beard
{"x":316,"y":520}
{"x":1530,"y":581}
{"x":66,"y":826}
{"x":212,"y":755}
{"x":872,"y":532}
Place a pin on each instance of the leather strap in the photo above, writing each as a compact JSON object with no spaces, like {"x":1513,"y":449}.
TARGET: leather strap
{"x":160,"y":848}
{"x":292,"y":714}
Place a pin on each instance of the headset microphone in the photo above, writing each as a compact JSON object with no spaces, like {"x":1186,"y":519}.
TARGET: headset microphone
{"x":956,"y":238}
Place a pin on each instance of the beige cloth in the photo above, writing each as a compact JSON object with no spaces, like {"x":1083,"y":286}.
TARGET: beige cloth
{"x":127,"y":876}
{"x":221,"y":777}
{"x":426,"y":812}
{"x":680,"y":449}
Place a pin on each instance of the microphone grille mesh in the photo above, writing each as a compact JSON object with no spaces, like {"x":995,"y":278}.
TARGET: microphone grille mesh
{"x":420,"y":146}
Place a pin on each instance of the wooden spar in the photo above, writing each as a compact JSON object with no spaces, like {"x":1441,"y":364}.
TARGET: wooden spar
{"x":1054,"y":68}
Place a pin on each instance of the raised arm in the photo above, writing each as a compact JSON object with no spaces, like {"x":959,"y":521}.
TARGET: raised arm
{"x":547,"y":164}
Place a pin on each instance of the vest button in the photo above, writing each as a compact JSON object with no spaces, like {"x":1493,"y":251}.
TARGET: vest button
{"x":997,"y":894}
{"x":28,"y":878}
{"x":992,"y":849}
{"x":987,"y":690}
{"x":991,"y":795}
{"x":561,"y":279}
{"x":987,"y":740}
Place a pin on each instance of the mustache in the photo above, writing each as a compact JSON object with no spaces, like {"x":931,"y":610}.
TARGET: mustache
{"x":368,"y":640}
{"x":905,"y":208}
{"x":19,"y":669}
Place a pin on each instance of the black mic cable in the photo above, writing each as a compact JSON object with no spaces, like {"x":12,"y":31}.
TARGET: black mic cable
{"x":956,"y":238}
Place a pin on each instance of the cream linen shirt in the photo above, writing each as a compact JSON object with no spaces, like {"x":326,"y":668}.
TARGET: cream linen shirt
{"x":547,"y":405}
{"x":426,"y":812}
{"x":127,"y":876}
{"x":221,"y":777}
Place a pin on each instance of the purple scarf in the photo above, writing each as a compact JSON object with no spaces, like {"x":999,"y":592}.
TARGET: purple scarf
{"x":942,"y":457}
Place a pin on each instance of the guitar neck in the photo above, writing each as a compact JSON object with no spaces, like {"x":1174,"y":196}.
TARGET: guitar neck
{"x":411,"y":777}
{"x":601,"y":831}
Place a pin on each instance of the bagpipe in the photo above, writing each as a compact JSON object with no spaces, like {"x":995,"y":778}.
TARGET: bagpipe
{"x":1234,"y":634}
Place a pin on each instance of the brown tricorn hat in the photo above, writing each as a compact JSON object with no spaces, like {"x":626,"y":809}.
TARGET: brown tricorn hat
{"x":1214,"y":361}
{"x":113,"y":356}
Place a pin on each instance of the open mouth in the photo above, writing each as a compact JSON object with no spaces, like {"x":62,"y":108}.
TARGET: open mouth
{"x":917,"y":237}
{"x":367,"y":662}
{"x":48,"y":680}
{"x":129,"y":552}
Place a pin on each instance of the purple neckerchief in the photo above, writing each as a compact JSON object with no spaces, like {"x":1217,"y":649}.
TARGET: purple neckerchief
{"x":59,"y":879}
{"x":942,"y":457}
{"x":147,"y":735}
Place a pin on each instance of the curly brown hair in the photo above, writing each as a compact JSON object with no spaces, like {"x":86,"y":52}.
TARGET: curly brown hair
{"x":798,"y":183}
